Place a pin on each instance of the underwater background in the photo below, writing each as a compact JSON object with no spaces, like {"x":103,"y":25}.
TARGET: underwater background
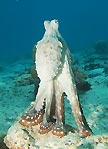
{"x":82,"y":23}
{"x":84,"y":26}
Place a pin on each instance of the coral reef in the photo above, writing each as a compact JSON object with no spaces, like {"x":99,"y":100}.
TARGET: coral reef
{"x":106,"y":69}
{"x":92,"y":66}
{"x":36,"y":79}
{"x":24,"y":80}
{"x":2,"y":145}
{"x":80,"y":79}
{"x":101,"y":47}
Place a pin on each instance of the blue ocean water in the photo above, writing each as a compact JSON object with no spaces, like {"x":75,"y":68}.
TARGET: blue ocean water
{"x":82,"y":23}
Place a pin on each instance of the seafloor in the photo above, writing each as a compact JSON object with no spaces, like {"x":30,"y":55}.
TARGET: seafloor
{"x":17,"y":92}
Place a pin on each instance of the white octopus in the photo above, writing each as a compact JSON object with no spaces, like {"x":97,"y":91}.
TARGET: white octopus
{"x":53,"y":65}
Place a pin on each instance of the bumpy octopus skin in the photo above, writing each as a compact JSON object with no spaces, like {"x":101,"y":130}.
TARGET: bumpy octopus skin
{"x":53,"y":66}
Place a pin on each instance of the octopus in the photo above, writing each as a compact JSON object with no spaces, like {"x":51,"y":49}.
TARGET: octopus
{"x":53,"y":66}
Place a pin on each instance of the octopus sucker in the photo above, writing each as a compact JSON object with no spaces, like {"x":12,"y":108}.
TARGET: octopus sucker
{"x":16,"y":148}
{"x":58,"y":131}
{"x":31,"y":119}
{"x":45,"y":127}
{"x":85,"y":133}
{"x":54,"y":69}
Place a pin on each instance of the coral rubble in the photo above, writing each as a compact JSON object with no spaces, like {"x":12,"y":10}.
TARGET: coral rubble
{"x":20,"y":137}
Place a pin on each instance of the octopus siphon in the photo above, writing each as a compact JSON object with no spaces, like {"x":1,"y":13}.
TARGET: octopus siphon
{"x":54,"y":68}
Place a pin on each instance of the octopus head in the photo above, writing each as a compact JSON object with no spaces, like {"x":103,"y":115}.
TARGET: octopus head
{"x":51,"y":27}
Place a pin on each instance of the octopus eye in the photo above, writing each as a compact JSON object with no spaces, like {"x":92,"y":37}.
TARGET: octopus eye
{"x":46,"y":24}
{"x":56,"y":21}
{"x":54,"y":24}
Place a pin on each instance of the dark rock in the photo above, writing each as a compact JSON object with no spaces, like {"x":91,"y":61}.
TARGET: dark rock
{"x":101,"y":47}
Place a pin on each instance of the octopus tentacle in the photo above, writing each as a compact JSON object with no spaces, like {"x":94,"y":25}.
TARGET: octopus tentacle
{"x":31,"y":118}
{"x":79,"y":117}
{"x":53,"y":117}
{"x":59,"y":100}
{"x":40,"y":96}
{"x":58,"y":129}
{"x":46,"y":125}
{"x":71,"y":93}
{"x":49,"y":98}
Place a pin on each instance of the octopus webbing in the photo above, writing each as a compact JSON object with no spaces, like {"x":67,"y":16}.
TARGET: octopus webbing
{"x":53,"y":66}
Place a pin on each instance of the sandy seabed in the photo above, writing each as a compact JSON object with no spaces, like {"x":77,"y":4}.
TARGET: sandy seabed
{"x":17,"y":92}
